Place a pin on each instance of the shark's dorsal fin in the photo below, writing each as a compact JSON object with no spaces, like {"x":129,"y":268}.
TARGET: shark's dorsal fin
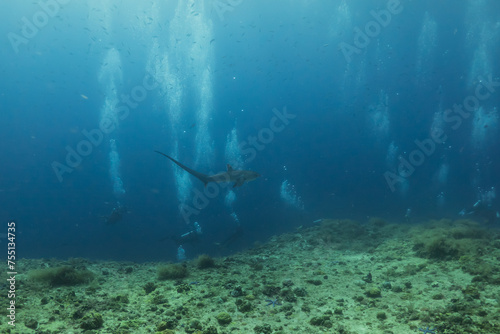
{"x":229,"y":168}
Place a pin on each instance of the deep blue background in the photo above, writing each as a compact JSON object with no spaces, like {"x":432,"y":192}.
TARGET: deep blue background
{"x":265,"y":56}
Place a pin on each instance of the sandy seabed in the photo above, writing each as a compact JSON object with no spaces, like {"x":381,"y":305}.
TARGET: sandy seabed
{"x":338,"y":276}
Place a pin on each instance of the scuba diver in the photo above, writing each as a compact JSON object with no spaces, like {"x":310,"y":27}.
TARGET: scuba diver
{"x":189,"y":237}
{"x":482,"y":210}
{"x":116,"y":214}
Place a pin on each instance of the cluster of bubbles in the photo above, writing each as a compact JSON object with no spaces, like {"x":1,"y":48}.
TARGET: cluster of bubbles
{"x":379,"y":122}
{"x":230,"y":198}
{"x":114,"y":169}
{"x":484,"y":124}
{"x":289,"y":195}
{"x":487,"y":196}
{"x":110,"y":79}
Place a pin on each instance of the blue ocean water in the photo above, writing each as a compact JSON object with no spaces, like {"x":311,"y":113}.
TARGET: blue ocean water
{"x":347,"y":109}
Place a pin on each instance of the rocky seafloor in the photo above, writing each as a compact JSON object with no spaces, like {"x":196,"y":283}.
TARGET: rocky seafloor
{"x":338,"y":276}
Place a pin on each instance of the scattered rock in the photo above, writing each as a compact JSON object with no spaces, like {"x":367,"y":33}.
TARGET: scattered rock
{"x":381,"y":316}
{"x":92,"y":320}
{"x":223,"y":318}
{"x":373,"y":292}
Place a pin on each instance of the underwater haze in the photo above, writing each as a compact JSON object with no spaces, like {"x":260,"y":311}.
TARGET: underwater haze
{"x":347,"y":109}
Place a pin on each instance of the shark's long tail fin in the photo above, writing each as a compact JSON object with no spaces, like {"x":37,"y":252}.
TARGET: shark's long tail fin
{"x":202,"y":177}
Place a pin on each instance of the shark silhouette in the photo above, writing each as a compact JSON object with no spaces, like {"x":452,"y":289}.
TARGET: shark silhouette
{"x":237,"y":176}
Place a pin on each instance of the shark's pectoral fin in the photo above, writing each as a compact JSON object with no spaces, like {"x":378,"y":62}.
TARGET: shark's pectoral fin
{"x":239,"y":182}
